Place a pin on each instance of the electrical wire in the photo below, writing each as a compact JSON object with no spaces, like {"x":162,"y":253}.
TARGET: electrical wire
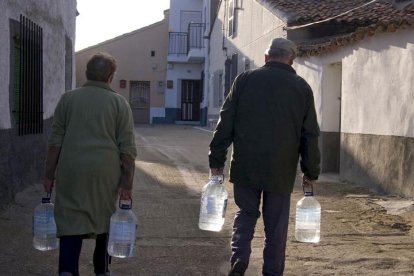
{"x":333,"y":17}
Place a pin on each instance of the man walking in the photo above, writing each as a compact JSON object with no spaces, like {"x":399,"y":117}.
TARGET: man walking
{"x":269,"y":116}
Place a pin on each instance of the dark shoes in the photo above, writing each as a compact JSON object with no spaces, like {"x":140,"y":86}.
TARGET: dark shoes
{"x":238,"y":268}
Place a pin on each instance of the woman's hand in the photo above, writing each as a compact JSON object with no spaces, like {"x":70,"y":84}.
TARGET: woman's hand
{"x":48,"y":185}
{"x":124,"y":194}
{"x":216,"y":171}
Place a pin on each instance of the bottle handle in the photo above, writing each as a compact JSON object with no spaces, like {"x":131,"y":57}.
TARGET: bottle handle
{"x":310,"y":191}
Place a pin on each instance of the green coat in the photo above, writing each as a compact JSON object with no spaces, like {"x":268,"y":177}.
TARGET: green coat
{"x":269,"y":117}
{"x":93,"y":125}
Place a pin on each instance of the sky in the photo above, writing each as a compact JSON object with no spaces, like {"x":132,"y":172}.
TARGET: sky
{"x":100,"y":20}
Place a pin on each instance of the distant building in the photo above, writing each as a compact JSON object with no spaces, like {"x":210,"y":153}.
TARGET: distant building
{"x":141,"y":72}
{"x":36,"y":56}
{"x":186,"y":97}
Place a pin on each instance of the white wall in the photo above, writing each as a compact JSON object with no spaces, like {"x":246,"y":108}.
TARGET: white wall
{"x":256,"y":27}
{"x":156,"y":112}
{"x":377,"y":84}
{"x":176,"y":6}
{"x":57,"y":19}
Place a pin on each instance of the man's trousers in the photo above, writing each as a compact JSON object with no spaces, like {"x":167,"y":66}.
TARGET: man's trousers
{"x":275,"y":209}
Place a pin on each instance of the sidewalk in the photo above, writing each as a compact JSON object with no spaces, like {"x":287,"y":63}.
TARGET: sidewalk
{"x":358,"y":235}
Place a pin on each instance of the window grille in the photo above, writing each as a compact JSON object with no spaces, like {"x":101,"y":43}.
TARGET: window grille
{"x":28,"y":77}
{"x":140,"y":94}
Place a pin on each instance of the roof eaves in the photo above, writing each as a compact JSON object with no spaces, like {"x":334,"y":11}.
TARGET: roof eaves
{"x":330,"y":44}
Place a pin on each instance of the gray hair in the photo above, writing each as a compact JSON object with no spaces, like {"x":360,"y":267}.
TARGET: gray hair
{"x":281,"y":54}
{"x":281,"y":48}
{"x":100,"y":67}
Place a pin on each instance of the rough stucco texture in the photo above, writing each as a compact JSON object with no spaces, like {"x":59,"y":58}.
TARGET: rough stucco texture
{"x":24,"y":163}
{"x":384,"y":163}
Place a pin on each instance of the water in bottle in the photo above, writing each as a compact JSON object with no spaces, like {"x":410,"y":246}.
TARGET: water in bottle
{"x":122,"y":232}
{"x":308,"y":219}
{"x":213,"y":205}
{"x":44,"y":226}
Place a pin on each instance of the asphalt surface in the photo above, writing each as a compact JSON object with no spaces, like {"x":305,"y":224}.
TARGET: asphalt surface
{"x":362,"y":233}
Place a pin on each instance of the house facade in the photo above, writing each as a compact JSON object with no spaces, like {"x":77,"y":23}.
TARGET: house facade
{"x":142,"y":64}
{"x":35,"y":70}
{"x":240,"y":35}
{"x":186,"y":58}
{"x":358,"y":59}
{"x":188,"y":66}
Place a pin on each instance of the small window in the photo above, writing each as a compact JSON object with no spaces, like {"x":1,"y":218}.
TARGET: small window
{"x":231,"y":22}
{"x":153,"y":53}
{"x":218,"y":88}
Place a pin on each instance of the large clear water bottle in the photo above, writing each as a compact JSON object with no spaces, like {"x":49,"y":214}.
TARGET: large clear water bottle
{"x":44,"y":226}
{"x":213,"y":205}
{"x":308,"y":218}
{"x":122,"y":231}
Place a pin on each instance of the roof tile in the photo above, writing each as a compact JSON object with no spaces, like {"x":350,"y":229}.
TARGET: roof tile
{"x":377,"y":17}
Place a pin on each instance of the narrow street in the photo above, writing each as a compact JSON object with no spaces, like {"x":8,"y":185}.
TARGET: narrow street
{"x":362,"y":233}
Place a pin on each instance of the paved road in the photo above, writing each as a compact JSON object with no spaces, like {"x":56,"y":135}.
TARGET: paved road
{"x":359,"y":236}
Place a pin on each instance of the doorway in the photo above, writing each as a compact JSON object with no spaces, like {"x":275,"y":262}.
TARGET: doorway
{"x":190,"y":100}
{"x":139,"y":99}
{"x":331,"y":117}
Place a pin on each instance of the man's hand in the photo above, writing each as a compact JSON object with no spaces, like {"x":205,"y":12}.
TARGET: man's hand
{"x":307,"y":184}
{"x":124,"y":194}
{"x":216,"y":171}
{"x":48,"y":184}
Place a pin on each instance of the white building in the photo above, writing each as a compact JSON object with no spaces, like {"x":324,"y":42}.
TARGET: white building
{"x":36,"y":57}
{"x":189,"y":28}
{"x":359,"y":65}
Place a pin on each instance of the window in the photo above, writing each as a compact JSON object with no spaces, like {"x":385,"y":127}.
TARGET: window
{"x":230,"y":66}
{"x":218,"y":88}
{"x":231,"y":21}
{"x":68,"y":63}
{"x":227,"y":79}
{"x":234,"y":66}
{"x":153,"y":53}
{"x":139,"y":94}
{"x":26,"y":78}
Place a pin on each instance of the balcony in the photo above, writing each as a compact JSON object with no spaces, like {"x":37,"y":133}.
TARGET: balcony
{"x":187,"y":47}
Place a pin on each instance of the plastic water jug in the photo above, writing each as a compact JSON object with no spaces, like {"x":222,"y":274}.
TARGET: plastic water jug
{"x":122,"y":231}
{"x":44,"y":226}
{"x":213,"y":205}
{"x":308,"y":218}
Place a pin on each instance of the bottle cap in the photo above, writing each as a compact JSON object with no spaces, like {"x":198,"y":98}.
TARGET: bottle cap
{"x":125,"y":204}
{"x":46,"y":199}
{"x":308,"y":191}
{"x":217,"y":178}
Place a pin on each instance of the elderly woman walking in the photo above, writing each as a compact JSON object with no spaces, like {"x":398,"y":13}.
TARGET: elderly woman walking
{"x":91,"y":153}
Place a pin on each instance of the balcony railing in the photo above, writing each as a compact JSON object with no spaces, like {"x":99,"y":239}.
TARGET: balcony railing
{"x":195,"y":35}
{"x":177,"y":43}
{"x":181,"y":43}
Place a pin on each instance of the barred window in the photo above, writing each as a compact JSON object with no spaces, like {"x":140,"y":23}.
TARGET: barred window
{"x":26,"y":76}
